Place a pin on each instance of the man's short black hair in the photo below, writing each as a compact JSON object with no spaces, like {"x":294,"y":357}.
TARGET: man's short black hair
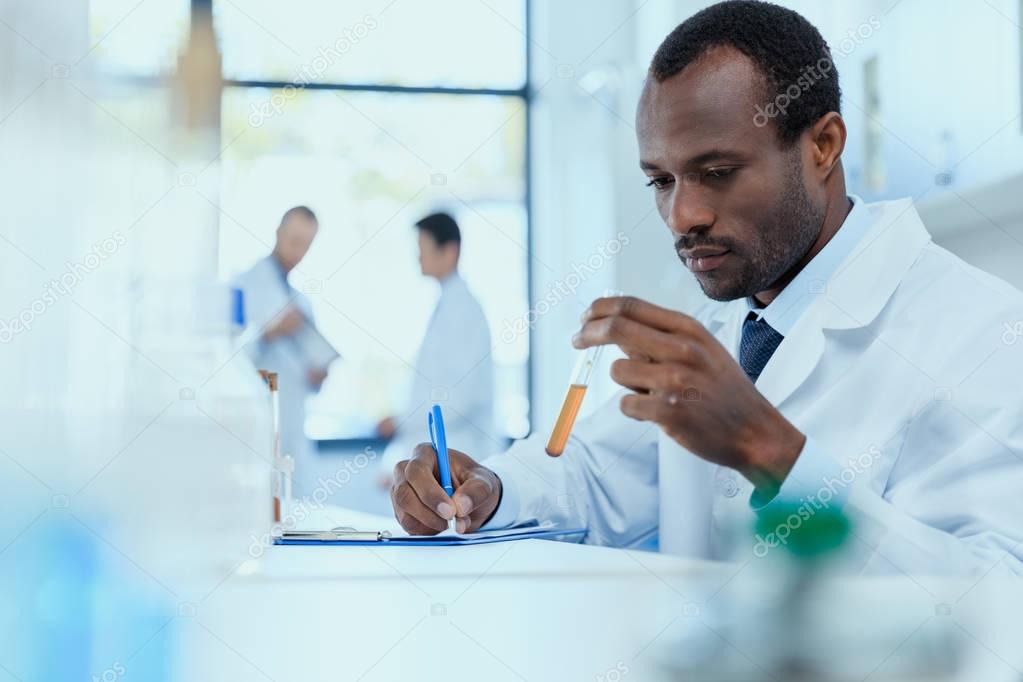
{"x":303,"y":211}
{"x":788,"y":50}
{"x":442,"y":227}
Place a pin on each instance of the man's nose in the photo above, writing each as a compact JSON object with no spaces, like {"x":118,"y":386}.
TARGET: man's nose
{"x":688,"y":211}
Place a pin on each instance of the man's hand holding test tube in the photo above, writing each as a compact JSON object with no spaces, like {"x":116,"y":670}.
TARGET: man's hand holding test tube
{"x":669,"y":356}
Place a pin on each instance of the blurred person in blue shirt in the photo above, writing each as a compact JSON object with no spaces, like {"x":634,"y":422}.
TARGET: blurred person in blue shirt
{"x":279,"y":311}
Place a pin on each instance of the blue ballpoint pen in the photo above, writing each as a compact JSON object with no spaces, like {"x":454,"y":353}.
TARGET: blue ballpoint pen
{"x":439,"y":440}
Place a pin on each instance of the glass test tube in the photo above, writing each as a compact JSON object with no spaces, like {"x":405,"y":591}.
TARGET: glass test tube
{"x":276,"y":475}
{"x":288,"y":474}
{"x":576,"y":392}
{"x":573,"y":400}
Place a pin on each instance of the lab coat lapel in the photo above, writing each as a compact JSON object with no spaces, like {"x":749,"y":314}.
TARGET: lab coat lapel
{"x":868,"y":277}
{"x":720,"y":323}
{"x":796,"y":357}
{"x":852,"y":298}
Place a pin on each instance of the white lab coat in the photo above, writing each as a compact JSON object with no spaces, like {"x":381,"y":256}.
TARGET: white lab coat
{"x":904,"y":376}
{"x":267,"y":294}
{"x":454,"y":369}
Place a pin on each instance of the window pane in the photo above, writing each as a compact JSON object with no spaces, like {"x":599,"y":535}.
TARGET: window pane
{"x":129,"y":37}
{"x":370,"y":165}
{"x":459,"y":43}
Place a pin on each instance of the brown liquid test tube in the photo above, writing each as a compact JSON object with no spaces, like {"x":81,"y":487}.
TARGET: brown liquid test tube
{"x":587,"y":360}
{"x":573,"y":401}
{"x":566,"y":419}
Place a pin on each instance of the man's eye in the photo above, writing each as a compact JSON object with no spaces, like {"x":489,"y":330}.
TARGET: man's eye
{"x":716,"y":173}
{"x":659,"y":182}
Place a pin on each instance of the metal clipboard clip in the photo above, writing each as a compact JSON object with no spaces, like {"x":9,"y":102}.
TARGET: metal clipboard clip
{"x":338,"y":533}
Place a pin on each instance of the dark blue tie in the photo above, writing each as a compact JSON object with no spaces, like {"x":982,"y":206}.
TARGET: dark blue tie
{"x":759,"y":341}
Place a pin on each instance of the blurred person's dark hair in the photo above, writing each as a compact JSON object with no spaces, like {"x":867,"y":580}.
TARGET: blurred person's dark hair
{"x":442,"y":227}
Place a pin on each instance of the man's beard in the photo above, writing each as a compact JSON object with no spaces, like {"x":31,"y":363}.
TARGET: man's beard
{"x":782,"y":238}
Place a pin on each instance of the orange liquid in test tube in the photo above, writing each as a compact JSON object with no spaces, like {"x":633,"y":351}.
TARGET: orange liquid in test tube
{"x":566,"y":418}
{"x":585,"y":363}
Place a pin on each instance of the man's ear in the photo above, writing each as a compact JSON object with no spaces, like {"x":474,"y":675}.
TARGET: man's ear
{"x":827,"y":137}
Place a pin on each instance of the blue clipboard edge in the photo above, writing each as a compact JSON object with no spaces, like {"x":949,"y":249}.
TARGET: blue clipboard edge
{"x":404,"y":542}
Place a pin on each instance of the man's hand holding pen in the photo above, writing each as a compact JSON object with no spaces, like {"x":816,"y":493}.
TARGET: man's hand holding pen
{"x":423,"y":508}
{"x":688,"y":384}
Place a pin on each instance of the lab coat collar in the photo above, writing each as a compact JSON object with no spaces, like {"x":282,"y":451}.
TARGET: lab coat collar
{"x":866,"y":278}
{"x":851,"y":298}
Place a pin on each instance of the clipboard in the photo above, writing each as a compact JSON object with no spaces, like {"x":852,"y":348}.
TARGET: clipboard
{"x":315,"y":349}
{"x":350,"y":537}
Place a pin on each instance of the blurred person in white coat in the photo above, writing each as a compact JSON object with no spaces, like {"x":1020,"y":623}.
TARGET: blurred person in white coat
{"x":453,"y":367}
{"x":274,"y":312}
{"x":843,"y":361}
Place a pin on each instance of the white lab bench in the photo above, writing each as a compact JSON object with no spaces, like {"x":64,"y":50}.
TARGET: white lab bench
{"x":178,"y":496}
{"x":530,"y":610}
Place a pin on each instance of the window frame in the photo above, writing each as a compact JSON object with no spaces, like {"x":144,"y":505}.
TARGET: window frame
{"x":524,"y":93}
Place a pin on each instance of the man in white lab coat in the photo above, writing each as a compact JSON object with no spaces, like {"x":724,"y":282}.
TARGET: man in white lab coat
{"x":454,"y":368}
{"x":844,"y":361}
{"x":274,"y":312}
